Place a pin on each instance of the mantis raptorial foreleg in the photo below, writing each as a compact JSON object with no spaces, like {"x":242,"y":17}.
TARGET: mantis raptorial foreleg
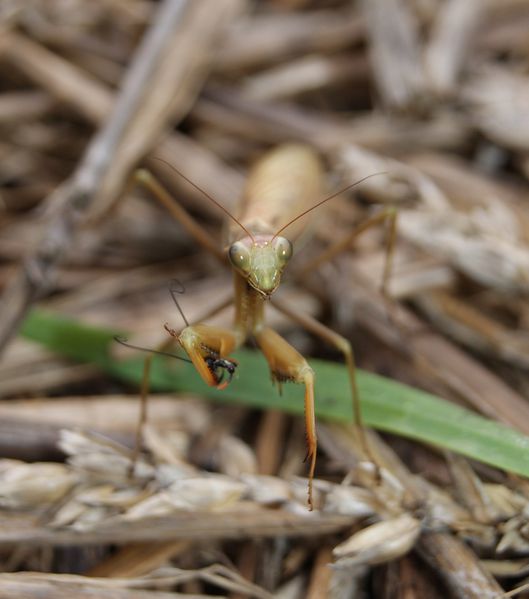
{"x":146,"y":179}
{"x":145,"y":382}
{"x":208,"y":347}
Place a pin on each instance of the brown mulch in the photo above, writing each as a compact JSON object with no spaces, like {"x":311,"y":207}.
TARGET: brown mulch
{"x":431,"y":94}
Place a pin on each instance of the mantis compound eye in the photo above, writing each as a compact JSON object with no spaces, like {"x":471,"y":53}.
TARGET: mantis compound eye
{"x":283,"y":250}
{"x":239,"y":256}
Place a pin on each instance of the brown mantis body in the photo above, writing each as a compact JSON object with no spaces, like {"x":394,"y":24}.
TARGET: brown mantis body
{"x":282,"y":188}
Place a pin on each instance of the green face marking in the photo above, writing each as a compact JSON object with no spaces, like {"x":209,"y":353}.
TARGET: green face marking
{"x":261,"y":264}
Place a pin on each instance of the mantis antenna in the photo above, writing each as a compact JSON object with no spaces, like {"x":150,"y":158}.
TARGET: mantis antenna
{"x":336,"y":193}
{"x":124,"y":341}
{"x":207,"y":195}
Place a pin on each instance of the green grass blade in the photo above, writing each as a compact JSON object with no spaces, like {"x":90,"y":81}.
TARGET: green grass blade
{"x":386,"y":405}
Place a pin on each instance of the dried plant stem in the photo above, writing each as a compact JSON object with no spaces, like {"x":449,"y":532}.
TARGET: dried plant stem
{"x":130,"y":130}
{"x":306,"y":74}
{"x":273,"y":38}
{"x":56,"y":75}
{"x":320,"y":580}
{"x":93,"y":101}
{"x":139,"y":559}
{"x":440,"y":359}
{"x":459,"y":566}
{"x":395,"y":51}
{"x":15,"y":586}
{"x":446,"y":52}
{"x":225,"y":524}
{"x":251,"y":119}
{"x":21,"y":106}
{"x":269,"y":441}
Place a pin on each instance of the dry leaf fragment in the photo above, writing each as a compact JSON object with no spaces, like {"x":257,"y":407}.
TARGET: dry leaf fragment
{"x":208,"y":492}
{"x":507,"y":568}
{"x":379,"y":543}
{"x":513,"y":539}
{"x":90,"y":518}
{"x":387,"y":488}
{"x":349,"y":500}
{"x":34,"y":485}
{"x":105,"y":467}
{"x":156,"y":505}
{"x":110,"y":496}
{"x":101,"y":459}
{"x":267,"y":490}
{"x":169,"y":446}
{"x":443,"y":510}
{"x":198,"y":493}
{"x":395,"y":182}
{"x":509,"y":503}
{"x":498,"y":101}
{"x":166,"y":474}
{"x":493,"y":259}
{"x":235,"y":457}
{"x":67,"y":514}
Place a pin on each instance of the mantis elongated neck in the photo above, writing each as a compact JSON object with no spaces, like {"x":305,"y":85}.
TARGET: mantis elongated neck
{"x":249,"y":307}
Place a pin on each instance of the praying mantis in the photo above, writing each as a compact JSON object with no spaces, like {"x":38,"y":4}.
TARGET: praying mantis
{"x":283,"y":189}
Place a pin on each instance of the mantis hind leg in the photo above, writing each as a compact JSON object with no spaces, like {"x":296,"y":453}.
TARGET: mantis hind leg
{"x":149,"y":181}
{"x":287,"y":364}
{"x":389,"y":216}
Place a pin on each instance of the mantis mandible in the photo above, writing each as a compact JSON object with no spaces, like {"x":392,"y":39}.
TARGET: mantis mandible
{"x":282,"y":188}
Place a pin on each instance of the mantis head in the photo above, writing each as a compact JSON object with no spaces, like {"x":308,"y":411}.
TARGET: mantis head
{"x":261,"y":261}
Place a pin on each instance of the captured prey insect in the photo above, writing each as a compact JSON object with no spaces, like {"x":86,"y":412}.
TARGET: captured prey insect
{"x":282,"y":189}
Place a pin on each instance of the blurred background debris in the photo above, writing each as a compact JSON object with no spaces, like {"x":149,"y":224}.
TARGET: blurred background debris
{"x":433,"y":94}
